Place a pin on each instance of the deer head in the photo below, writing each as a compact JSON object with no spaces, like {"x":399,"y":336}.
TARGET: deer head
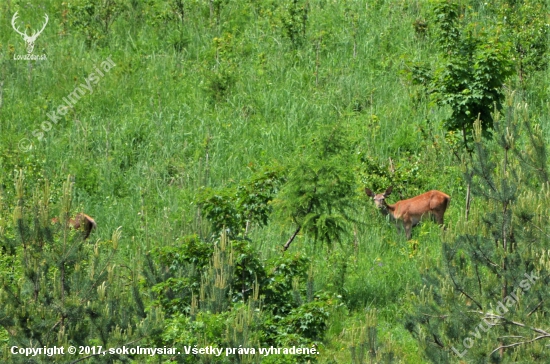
{"x":380,"y":199}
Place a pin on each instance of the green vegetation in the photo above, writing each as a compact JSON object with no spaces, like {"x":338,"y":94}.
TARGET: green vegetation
{"x":223,"y":148}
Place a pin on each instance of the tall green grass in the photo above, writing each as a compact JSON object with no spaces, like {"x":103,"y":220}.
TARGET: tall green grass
{"x":152,"y":134}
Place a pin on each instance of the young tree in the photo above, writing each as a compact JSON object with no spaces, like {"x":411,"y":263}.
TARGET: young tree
{"x":319,"y":193}
{"x":487,"y":301}
{"x":474,"y":63}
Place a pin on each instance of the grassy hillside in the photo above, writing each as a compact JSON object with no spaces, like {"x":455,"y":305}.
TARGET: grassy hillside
{"x":206,"y":96}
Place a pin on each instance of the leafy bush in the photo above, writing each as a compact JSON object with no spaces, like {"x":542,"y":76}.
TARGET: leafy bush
{"x":280,"y":295}
{"x":263,"y":302}
{"x":175,"y":273}
{"x":94,"y":18}
{"x":237,"y":208}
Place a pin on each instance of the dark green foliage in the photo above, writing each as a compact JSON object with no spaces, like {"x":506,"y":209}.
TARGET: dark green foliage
{"x":302,"y":327}
{"x":280,"y":295}
{"x":182,"y":330}
{"x":265,"y":303}
{"x":308,"y":320}
{"x":221,"y":74}
{"x":255,"y":195}
{"x":175,"y":272}
{"x":421,"y":75}
{"x":220,"y":81}
{"x":248,"y":271}
{"x":490,"y":263}
{"x":471,"y":83}
{"x":179,"y":9}
{"x":446,"y":15}
{"x":420,"y":27}
{"x":219,"y":208}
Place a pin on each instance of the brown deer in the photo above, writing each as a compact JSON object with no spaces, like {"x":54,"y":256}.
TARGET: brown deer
{"x":410,"y":212}
{"x":80,"y":221}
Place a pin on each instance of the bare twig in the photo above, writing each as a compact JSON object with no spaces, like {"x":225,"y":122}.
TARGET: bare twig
{"x":534,"y":309}
{"x":465,"y":294}
{"x":540,"y":331}
{"x":520,"y":343}
{"x":285,"y":247}
{"x":441,"y":317}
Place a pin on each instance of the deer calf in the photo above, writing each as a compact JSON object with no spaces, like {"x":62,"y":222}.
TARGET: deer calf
{"x":81,"y":221}
{"x":410,"y":212}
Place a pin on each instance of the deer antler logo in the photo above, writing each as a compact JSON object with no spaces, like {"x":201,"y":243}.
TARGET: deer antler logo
{"x":28,"y":39}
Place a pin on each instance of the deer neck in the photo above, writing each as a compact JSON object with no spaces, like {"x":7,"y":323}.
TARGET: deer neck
{"x":388,"y":210}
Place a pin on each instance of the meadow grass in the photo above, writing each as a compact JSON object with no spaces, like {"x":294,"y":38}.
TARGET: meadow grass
{"x":164,"y":123}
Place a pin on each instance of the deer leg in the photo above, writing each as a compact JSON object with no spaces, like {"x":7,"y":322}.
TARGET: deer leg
{"x":408,"y":230}
{"x":400,"y":227}
{"x":438,"y":218}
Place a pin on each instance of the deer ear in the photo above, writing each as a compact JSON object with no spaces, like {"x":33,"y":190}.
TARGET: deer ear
{"x":388,"y":191}
{"x":369,"y":192}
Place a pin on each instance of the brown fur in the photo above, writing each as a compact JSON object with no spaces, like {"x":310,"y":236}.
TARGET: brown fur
{"x":410,"y":212}
{"x":81,"y":221}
